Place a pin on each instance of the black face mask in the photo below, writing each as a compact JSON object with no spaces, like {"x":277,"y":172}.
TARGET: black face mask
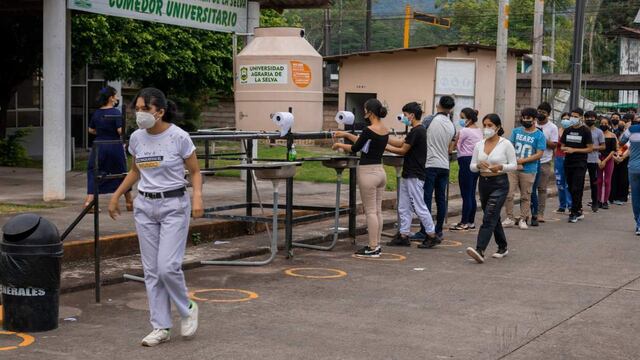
{"x":527,"y":124}
{"x":604,"y":128}
{"x":116,"y":104}
{"x":615,"y":122}
{"x":590,"y":122}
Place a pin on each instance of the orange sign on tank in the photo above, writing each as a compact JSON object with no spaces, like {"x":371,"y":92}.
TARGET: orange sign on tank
{"x":300,"y":74}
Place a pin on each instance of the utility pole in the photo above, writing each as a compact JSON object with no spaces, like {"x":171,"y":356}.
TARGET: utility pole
{"x":553,"y":45}
{"x":367,"y":28}
{"x":501,"y":60}
{"x":538,"y":37}
{"x":578,"y":39}
{"x":327,"y":46}
{"x":340,"y":28}
{"x":407,"y":25}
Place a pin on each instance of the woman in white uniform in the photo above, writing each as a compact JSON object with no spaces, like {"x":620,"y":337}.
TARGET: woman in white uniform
{"x":161,"y":151}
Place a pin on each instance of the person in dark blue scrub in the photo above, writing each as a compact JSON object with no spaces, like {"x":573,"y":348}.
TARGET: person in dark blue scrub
{"x":107,"y":124}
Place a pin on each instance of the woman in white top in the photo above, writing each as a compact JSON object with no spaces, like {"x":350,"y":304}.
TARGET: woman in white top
{"x":161,"y":152}
{"x":493,"y":157}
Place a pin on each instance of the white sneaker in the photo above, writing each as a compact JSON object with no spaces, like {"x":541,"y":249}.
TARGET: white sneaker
{"x":508,"y":222}
{"x":522,"y":224}
{"x":500,"y":254}
{"x":476,"y":255}
{"x":157,"y":336}
{"x":190,"y":323}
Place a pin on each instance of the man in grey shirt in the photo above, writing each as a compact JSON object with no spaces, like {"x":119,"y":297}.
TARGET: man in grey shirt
{"x":594,"y":156}
{"x":440,"y":133}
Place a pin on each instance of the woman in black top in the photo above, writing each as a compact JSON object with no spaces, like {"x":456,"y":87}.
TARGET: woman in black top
{"x":372,"y":178}
{"x":606,"y":163}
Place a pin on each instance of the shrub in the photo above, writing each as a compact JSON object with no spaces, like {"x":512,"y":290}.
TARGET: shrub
{"x":12,"y":152}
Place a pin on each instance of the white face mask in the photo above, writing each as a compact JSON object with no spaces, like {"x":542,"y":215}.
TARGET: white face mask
{"x":488,"y":133}
{"x":145,"y":120}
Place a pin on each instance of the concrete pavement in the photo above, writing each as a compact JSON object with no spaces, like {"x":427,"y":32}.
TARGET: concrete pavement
{"x":566,"y":291}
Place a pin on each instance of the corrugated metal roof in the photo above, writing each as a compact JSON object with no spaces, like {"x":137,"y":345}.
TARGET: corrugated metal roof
{"x":451,"y":47}
{"x":293,"y":4}
{"x":626,"y":31}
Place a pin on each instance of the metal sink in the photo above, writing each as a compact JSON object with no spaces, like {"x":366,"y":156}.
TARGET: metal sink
{"x":392,"y":160}
{"x":270,"y":170}
{"x":341,"y":163}
{"x":337,"y":162}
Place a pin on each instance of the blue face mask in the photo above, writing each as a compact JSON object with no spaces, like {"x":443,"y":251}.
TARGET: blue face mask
{"x":462,"y":122}
{"x":574,"y":121}
{"x":405,"y":120}
{"x":565,"y":123}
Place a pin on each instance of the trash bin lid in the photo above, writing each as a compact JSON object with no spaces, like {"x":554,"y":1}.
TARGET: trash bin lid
{"x":20,"y":227}
{"x":30,"y":235}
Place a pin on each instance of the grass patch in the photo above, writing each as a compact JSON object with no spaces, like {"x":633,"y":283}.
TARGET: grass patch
{"x":9,"y":208}
{"x":311,"y":171}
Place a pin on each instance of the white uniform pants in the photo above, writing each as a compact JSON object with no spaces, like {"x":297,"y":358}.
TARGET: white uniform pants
{"x":163,"y":227}
{"x":412,"y":200}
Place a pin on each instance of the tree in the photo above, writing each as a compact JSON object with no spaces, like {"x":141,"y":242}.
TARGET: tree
{"x":192,"y":66}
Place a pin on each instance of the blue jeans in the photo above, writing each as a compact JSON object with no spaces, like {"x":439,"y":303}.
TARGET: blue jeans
{"x":634,"y":181}
{"x":564,"y":197}
{"x":436,"y":179}
{"x":534,"y":192}
{"x":468,"y":182}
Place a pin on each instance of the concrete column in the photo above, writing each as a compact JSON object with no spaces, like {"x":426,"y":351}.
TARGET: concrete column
{"x":69,"y":145}
{"x":538,"y":38}
{"x":253,"y":18}
{"x":54,"y":71}
{"x":501,"y":60}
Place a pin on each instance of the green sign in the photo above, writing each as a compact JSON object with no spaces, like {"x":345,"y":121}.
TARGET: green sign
{"x":264,"y":74}
{"x":217,"y":15}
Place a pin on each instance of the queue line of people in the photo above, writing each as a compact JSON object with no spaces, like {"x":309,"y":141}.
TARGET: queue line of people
{"x":500,"y":167}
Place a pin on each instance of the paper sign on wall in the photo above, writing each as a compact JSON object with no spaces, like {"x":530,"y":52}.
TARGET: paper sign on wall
{"x":264,"y":74}
{"x":301,"y":74}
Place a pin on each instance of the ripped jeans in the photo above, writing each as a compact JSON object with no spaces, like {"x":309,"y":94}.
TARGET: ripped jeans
{"x":493,"y":194}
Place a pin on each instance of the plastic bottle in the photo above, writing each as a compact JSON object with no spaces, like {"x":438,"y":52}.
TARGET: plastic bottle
{"x":293,"y":154}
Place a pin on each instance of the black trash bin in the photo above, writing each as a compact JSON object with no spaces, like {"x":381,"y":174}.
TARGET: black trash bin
{"x":30,"y":255}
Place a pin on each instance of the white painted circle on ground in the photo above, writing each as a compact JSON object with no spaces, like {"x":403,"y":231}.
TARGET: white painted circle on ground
{"x":68,"y":312}
{"x":139,"y":304}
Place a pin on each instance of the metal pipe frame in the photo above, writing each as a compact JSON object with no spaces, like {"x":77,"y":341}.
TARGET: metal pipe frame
{"x":274,"y":239}
{"x":336,"y":224}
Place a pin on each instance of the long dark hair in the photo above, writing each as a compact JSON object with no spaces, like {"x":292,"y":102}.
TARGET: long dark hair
{"x":375,"y":107}
{"x":470,"y":114}
{"x":104,"y":95}
{"x":495,"y":119}
{"x":155,"y":97}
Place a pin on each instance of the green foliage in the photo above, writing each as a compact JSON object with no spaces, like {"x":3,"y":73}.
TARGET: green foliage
{"x":192,"y":66}
{"x":12,"y":152}
{"x":272,"y":18}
